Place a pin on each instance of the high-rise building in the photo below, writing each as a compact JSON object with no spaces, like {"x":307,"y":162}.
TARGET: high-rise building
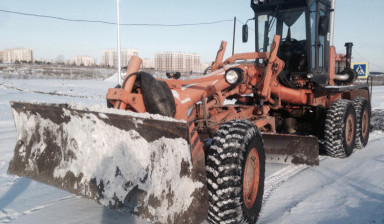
{"x":126,"y":55}
{"x":17,"y":54}
{"x":109,"y":57}
{"x":177,"y":62}
{"x":83,"y":61}
{"x":148,"y":63}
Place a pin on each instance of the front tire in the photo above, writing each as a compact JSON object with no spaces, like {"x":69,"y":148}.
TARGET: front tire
{"x":340,"y":129}
{"x":235,"y":173}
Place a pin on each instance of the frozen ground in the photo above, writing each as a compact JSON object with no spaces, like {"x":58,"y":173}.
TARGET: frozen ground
{"x":337,"y":191}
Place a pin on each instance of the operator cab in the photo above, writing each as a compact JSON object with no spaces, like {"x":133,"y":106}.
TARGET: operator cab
{"x":304,"y":29}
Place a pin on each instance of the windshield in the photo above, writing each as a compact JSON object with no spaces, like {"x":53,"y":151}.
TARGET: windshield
{"x":280,"y":23}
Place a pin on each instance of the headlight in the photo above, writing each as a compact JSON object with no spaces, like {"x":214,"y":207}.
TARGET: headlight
{"x":233,"y":76}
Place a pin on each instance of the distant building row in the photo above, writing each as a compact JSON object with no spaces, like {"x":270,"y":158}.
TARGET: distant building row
{"x":167,"y":61}
{"x":83,"y":61}
{"x":109,"y":57}
{"x":16,"y":54}
{"x":177,"y":62}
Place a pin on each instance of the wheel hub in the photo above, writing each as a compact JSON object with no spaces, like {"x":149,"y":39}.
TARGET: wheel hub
{"x":349,"y":130}
{"x":251,"y":178}
{"x":364,"y":124}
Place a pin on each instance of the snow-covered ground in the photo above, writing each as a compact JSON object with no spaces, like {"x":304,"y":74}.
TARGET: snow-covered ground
{"x":338,"y":191}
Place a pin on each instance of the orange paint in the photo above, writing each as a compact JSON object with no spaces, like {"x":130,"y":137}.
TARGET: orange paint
{"x":274,"y":96}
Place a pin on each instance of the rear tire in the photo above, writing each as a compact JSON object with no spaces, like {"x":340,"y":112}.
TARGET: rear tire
{"x":363,"y":119}
{"x":340,"y":129}
{"x":235,"y":173}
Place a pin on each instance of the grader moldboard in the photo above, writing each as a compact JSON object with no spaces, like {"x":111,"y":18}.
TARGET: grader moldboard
{"x":200,"y":158}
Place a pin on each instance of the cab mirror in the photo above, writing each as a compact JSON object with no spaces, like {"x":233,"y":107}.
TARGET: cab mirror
{"x":245,"y":33}
{"x":323,"y":25}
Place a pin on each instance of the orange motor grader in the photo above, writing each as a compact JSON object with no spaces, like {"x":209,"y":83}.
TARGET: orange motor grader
{"x":288,"y":101}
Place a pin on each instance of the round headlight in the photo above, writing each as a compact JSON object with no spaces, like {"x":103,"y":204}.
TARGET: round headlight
{"x":231,"y":77}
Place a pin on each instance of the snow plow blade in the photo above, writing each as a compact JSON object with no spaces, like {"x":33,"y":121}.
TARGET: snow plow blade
{"x":120,"y":159}
{"x":291,"y":149}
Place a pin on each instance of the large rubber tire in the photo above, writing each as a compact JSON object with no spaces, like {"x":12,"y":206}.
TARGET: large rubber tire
{"x":235,"y":173}
{"x":340,"y":129}
{"x":363,"y":120}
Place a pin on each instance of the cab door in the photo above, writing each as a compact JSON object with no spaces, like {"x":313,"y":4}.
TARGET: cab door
{"x":319,"y":35}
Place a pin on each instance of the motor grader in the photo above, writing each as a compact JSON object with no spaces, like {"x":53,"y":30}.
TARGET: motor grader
{"x":177,"y":151}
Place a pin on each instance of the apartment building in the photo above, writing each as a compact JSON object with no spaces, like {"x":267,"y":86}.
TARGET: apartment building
{"x":83,"y":61}
{"x":16,"y":54}
{"x":109,"y":57}
{"x":148,"y":63}
{"x":177,"y":62}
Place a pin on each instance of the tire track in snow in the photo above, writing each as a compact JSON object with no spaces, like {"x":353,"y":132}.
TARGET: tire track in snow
{"x":280,"y":177}
{"x":8,"y":86}
{"x":9,"y":216}
{"x":277,"y":179}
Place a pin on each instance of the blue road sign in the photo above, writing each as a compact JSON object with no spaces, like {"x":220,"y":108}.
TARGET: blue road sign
{"x":362,"y":69}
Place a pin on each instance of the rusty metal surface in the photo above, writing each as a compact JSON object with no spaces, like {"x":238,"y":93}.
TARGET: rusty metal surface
{"x":291,"y":149}
{"x":46,"y":145}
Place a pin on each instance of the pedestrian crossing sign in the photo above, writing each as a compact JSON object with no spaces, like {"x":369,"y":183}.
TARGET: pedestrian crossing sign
{"x":362,"y":69}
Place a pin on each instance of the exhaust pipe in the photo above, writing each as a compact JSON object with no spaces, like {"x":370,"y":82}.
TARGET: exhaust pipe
{"x":348,"y":75}
{"x":343,"y":77}
{"x":332,"y":22}
{"x":348,"y":56}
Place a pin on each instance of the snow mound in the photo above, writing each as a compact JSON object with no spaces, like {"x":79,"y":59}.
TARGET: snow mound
{"x":113,"y":78}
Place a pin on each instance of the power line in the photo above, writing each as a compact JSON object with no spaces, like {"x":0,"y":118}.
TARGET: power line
{"x":113,"y":23}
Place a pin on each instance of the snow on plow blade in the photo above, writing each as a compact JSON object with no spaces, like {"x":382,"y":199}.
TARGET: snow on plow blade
{"x":117,"y":158}
{"x":291,"y":149}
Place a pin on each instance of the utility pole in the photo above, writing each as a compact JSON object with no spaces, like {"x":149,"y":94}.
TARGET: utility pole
{"x":234,"y":35}
{"x":118,"y":43}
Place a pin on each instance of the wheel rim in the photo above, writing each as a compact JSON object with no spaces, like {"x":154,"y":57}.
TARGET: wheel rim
{"x":364,"y":124}
{"x":349,"y":130}
{"x":251,"y":178}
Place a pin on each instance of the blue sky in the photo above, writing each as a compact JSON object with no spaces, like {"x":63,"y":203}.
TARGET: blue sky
{"x":360,"y":22}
